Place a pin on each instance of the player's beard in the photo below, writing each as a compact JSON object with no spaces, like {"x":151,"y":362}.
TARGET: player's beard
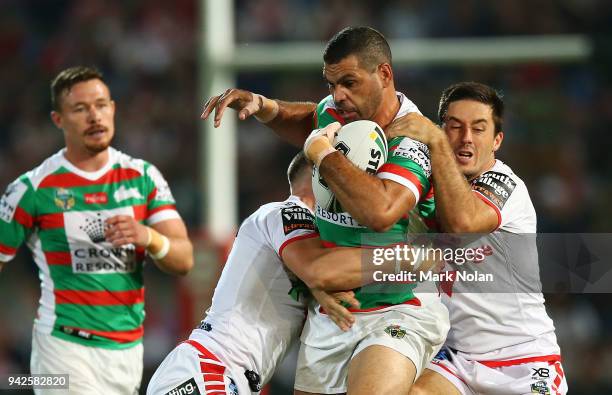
{"x":96,"y":148}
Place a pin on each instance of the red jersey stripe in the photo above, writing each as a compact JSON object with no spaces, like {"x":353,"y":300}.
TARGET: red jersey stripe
{"x":335,"y":115}
{"x":22,"y":217}
{"x":119,"y":336}
{"x":203,"y":350}
{"x":214,"y":387}
{"x":140,"y":212}
{"x":50,"y":221}
{"x":296,"y":238}
{"x":551,"y":359}
{"x":402,"y":172}
{"x":213,"y":377}
{"x":6,"y":250}
{"x":211,"y":368}
{"x":70,"y":180}
{"x":58,"y":258}
{"x":492,"y":205}
{"x":413,"y":302}
{"x":152,"y":195}
{"x":99,"y":298}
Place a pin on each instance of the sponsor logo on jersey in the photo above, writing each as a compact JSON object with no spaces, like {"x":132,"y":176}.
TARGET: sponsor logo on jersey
{"x":416,"y":152}
{"x":343,"y":219}
{"x":64,"y":199}
{"x":540,"y":387}
{"x":540,"y":373}
{"x":189,"y":387}
{"x":124,"y":193}
{"x":90,"y":252}
{"x":496,"y":187}
{"x":10,"y":200}
{"x":395,"y":331}
{"x":96,"y":198}
{"x":94,"y":228}
{"x":205,"y":326}
{"x":296,"y":217}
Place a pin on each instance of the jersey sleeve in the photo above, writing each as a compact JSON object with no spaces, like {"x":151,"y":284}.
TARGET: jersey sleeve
{"x":289,"y":223}
{"x":508,"y":198}
{"x":17,"y":211}
{"x":161,"y":205}
{"x":408,"y":164}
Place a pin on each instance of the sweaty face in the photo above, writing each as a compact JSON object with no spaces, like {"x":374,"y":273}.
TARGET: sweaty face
{"x":87,"y":117}
{"x":357,"y":92}
{"x":471,"y":132}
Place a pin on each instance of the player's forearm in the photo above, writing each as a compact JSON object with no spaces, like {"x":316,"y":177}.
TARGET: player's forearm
{"x":456,"y":205}
{"x":338,"y":269}
{"x":2,"y":265}
{"x":349,"y":268}
{"x":293,"y":122}
{"x":179,"y":259}
{"x":360,"y":194}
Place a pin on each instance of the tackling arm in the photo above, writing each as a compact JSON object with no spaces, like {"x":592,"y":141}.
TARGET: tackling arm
{"x":458,"y":208}
{"x":340,"y":268}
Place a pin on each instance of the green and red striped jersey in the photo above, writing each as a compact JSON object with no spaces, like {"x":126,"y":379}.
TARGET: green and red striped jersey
{"x":91,"y":292}
{"x":408,"y":163}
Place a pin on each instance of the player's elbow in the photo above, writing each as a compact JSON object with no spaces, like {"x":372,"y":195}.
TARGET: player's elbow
{"x":380,"y":222}
{"x":317,"y":277}
{"x":462,"y":225}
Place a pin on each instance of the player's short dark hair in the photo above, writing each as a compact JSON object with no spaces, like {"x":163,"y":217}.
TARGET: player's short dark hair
{"x":69,"y":77}
{"x":367,"y":44}
{"x":473,"y":91}
{"x":299,"y":164}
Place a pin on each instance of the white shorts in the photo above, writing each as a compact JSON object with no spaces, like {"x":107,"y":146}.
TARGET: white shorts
{"x":531,"y":375}
{"x":417,"y":332}
{"x":190,"y":365}
{"x":91,"y":370}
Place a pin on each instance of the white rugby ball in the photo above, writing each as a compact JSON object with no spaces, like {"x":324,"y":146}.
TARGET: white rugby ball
{"x":365,"y":145}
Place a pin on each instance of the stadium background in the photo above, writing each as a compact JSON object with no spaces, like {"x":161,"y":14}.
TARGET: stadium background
{"x":558,"y":130}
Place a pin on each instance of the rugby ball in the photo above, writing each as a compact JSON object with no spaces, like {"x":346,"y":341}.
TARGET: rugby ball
{"x":365,"y":145}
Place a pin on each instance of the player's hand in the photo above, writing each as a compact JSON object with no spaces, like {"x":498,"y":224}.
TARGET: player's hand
{"x":123,"y":229}
{"x":415,"y":126}
{"x":319,"y":143}
{"x":245,"y":102}
{"x":332,"y":304}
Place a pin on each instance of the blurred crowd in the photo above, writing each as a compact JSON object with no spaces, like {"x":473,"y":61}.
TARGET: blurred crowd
{"x":558,"y":123}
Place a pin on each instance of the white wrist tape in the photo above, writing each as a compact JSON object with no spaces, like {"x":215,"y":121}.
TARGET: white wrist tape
{"x":161,"y":254}
{"x":266,"y":113}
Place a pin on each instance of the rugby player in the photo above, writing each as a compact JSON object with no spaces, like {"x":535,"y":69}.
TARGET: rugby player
{"x":253,"y":319}
{"x":500,"y":342}
{"x":395,"y":330}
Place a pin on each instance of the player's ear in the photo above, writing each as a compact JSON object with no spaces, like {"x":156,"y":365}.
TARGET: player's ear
{"x":385,"y":73}
{"x":56,"y":117}
{"x":497,"y":140}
